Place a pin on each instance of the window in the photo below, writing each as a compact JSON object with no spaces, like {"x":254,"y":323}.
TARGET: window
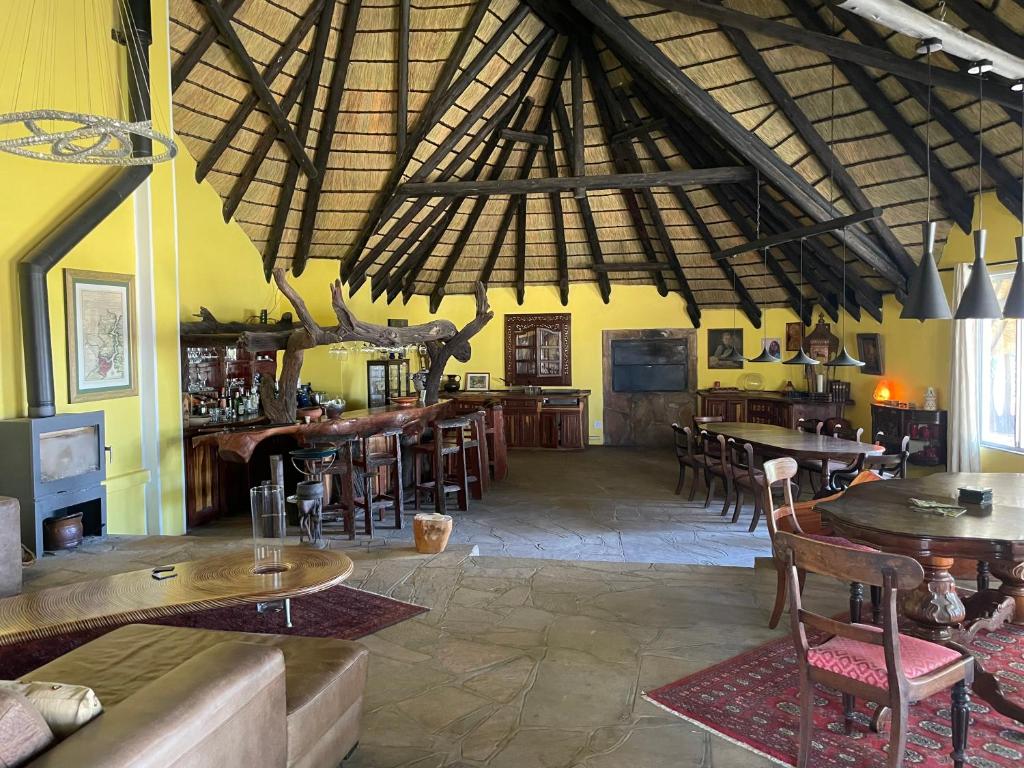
{"x":1000,"y":351}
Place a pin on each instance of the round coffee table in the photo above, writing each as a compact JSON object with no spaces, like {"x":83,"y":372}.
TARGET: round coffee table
{"x":213,"y":582}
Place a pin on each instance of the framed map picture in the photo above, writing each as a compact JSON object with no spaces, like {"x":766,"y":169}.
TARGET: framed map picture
{"x":100,"y":309}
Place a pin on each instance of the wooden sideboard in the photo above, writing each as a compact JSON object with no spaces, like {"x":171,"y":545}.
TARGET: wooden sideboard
{"x":763,"y":407}
{"x":926,"y":430}
{"x":556,"y":419}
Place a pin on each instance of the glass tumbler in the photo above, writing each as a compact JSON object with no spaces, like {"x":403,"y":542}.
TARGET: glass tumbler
{"x":268,"y":528}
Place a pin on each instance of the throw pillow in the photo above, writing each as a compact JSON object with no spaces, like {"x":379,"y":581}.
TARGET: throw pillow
{"x":23,"y":732}
{"x":66,"y":708}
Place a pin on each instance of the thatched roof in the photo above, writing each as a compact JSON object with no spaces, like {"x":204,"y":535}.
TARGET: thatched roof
{"x":492,"y":91}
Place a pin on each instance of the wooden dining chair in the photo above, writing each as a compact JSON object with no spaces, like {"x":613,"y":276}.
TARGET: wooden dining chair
{"x":689,"y":457}
{"x":862,"y":661}
{"x":717,"y":466}
{"x":785,"y":518}
{"x":888,"y":466}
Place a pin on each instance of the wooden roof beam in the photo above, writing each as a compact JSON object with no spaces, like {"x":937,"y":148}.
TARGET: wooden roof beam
{"x":954,"y":198}
{"x":256,"y":81}
{"x":810,"y":136}
{"x":385,"y":203}
{"x":699,"y":177}
{"x":811,"y":230}
{"x":526,"y":137}
{"x":234,"y":124}
{"x":985,"y":21}
{"x":623,"y":157}
{"x":402,"y":113}
{"x":325,"y":139}
{"x":438,"y":293}
{"x":200,"y":45}
{"x":286,"y":190}
{"x":604,"y":285}
{"x":263,"y":144}
{"x":837,"y":48}
{"x":557,"y":217}
{"x":640,"y":129}
{"x":1007,"y":186}
{"x":644,"y":57}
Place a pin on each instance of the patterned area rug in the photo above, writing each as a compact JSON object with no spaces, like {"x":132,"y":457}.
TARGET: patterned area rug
{"x":753,"y":700}
{"x":341,"y":612}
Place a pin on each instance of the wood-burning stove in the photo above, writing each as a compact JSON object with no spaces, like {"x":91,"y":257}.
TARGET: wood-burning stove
{"x":54,"y":466}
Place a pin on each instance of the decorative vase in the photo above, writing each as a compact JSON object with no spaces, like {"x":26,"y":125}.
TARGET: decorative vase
{"x":431,"y":532}
{"x":931,"y":399}
{"x":62,"y":532}
{"x":335,"y":408}
{"x":454,"y":383}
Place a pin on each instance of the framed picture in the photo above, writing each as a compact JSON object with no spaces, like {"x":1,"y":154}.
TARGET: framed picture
{"x":774,"y":346}
{"x":869,"y":349}
{"x":794,"y":336}
{"x":722,"y":342}
{"x":100,"y":310}
{"x":478,"y":382}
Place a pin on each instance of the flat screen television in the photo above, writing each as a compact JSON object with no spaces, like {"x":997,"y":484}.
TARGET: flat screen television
{"x":650,"y":365}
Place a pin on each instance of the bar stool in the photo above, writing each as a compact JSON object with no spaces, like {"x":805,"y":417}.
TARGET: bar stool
{"x":478,"y":464}
{"x":497,"y":449}
{"x":367,"y":464}
{"x":339,"y":483}
{"x":449,"y":440}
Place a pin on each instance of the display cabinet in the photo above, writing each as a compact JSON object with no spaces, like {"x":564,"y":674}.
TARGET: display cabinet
{"x":537,"y":350}
{"x":386,"y":379}
{"x":926,"y":430}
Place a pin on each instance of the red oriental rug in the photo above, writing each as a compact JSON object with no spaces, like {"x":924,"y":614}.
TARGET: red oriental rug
{"x":341,"y":612}
{"x":753,"y":700}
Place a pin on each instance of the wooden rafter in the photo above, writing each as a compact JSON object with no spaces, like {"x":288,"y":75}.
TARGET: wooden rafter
{"x":623,"y":159}
{"x":200,"y":45}
{"x":557,"y":215}
{"x":479,"y":204}
{"x":287,"y":189}
{"x":234,"y":124}
{"x":561,"y":117}
{"x":698,"y":177}
{"x":380,"y":279}
{"x":813,"y":139}
{"x":230,"y":37}
{"x":1007,"y":186}
{"x":811,"y":230}
{"x":985,"y":21}
{"x":838,"y":48}
{"x":954,"y":198}
{"x":311,"y":203}
{"x":385,"y":203}
{"x":527,"y":137}
{"x":402,"y":113}
{"x":646,"y":58}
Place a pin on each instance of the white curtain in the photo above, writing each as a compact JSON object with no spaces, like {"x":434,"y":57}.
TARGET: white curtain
{"x":964,"y":408}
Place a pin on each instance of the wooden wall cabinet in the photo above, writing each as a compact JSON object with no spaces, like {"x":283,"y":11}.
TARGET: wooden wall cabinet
{"x":538,"y":350}
{"x":552,"y":421}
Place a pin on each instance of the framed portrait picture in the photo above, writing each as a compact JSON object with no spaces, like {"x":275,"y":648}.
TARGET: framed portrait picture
{"x":869,"y":349}
{"x":478,"y":382}
{"x":794,"y":336}
{"x":100,"y":311}
{"x":774,"y":346}
{"x":722,"y":342}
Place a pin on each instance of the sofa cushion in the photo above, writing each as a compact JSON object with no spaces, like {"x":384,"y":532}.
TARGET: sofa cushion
{"x":64,"y":707}
{"x":324,"y":677}
{"x":23,"y":732}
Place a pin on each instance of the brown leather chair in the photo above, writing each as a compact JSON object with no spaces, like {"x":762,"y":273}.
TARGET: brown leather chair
{"x":174,"y":697}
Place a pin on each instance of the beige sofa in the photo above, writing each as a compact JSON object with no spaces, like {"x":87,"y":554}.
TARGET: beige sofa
{"x":176,"y":697}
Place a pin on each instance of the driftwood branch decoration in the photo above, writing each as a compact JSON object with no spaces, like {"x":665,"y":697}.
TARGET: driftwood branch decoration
{"x":441,"y":337}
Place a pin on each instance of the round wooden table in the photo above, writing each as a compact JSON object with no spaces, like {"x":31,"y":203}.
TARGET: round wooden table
{"x":879,"y":514}
{"x":213,"y":582}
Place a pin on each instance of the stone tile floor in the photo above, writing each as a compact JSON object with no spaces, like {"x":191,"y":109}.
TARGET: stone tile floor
{"x":540,"y":661}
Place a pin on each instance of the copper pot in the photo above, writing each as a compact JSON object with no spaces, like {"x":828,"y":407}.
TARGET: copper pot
{"x":62,"y":532}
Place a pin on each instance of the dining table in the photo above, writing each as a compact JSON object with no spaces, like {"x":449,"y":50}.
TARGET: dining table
{"x":883,"y":516}
{"x":770,"y":441}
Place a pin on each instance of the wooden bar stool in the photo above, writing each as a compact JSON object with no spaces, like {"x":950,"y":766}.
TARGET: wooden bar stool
{"x":449,"y":440}
{"x":478,"y":469}
{"x":368,"y":463}
{"x":497,"y":449}
{"x":339,"y":484}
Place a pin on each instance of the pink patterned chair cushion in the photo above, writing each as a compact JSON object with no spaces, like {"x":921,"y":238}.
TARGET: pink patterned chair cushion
{"x":866,"y":662}
{"x":839,"y":541}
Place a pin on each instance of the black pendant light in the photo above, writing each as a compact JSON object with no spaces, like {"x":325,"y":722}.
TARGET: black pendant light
{"x":979,"y":300}
{"x":926,"y":299}
{"x":1014,"y":306}
{"x":765,"y":356}
{"x":844,"y":358}
{"x":801,"y":357}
